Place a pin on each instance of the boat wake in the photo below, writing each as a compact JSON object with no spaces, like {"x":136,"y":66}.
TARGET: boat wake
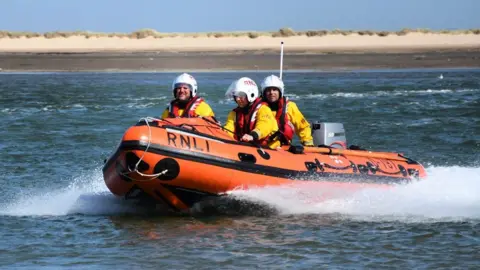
{"x":87,"y":195}
{"x":448,"y":194}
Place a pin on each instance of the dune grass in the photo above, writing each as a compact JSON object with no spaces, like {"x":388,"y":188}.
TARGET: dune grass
{"x":283,"y":32}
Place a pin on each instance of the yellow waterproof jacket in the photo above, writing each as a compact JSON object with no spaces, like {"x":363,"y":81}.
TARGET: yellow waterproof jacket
{"x":203,"y":109}
{"x":301,"y":125}
{"x":265,"y":125}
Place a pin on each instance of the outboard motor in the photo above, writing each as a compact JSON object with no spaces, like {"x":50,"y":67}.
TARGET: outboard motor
{"x":329,"y":134}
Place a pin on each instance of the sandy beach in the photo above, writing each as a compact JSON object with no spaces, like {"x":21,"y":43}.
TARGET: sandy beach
{"x":352,"y":42}
{"x":329,"y":52}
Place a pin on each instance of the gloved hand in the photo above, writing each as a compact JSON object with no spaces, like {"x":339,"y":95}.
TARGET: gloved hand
{"x":308,"y":144}
{"x":247,"y":138}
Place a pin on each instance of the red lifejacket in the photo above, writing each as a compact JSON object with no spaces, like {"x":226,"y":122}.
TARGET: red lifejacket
{"x":245,"y":123}
{"x":285,"y":127}
{"x":189,"y":111}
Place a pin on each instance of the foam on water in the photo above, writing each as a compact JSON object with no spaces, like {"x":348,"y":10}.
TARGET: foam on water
{"x":449,"y":193}
{"x":87,"y":194}
{"x":399,"y":92}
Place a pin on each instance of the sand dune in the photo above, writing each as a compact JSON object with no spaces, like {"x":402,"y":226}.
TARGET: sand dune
{"x":316,"y":43}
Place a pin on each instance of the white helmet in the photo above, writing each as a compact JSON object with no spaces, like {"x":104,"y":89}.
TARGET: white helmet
{"x":273,"y":81}
{"x":243,"y":85}
{"x":188,"y":79}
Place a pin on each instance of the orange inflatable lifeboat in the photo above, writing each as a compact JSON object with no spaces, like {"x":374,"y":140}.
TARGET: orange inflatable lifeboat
{"x":179,"y":162}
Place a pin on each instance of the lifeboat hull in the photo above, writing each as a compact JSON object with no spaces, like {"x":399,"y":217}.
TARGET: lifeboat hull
{"x":180,"y":162}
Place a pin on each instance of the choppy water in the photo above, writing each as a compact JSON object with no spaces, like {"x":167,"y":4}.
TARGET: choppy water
{"x":55,"y":211}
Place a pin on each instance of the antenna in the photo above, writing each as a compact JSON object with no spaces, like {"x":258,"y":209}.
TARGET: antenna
{"x":281,"y":59}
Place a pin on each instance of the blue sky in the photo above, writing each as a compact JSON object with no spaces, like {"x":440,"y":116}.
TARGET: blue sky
{"x":233,"y":15}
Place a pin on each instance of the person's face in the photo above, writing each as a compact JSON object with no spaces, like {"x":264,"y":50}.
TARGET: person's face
{"x":182,"y":92}
{"x":272,"y":94}
{"x":241,"y":100}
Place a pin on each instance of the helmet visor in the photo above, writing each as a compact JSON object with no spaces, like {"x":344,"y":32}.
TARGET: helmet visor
{"x":239,"y":94}
{"x":271,"y":88}
{"x":182,"y":85}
